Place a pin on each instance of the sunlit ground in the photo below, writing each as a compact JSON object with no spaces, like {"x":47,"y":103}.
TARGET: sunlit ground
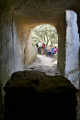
{"x":44,"y":64}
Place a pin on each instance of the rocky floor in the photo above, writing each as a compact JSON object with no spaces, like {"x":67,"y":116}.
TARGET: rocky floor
{"x":33,"y":95}
{"x":78,"y":106}
{"x":44,"y":64}
{"x":54,"y":97}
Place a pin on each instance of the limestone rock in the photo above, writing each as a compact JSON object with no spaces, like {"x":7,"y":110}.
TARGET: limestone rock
{"x":35,"y":95}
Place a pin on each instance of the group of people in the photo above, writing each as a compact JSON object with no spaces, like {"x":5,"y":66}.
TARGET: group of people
{"x":42,"y":48}
{"x":51,"y":51}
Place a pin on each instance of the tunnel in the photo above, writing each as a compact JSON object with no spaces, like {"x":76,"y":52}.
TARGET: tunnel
{"x":18,"y":18}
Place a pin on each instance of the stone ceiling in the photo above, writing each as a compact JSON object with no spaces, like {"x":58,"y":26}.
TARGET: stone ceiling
{"x":42,"y":11}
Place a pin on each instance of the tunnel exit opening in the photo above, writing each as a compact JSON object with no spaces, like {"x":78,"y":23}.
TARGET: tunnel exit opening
{"x":45,"y":40}
{"x":15,"y":53}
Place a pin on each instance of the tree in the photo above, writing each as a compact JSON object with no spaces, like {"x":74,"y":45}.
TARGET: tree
{"x":45,"y":33}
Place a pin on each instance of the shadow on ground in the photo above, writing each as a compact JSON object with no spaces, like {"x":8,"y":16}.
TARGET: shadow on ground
{"x":34,"y":95}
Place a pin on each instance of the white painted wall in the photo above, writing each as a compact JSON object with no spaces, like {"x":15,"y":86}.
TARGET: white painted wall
{"x":72,"y":48}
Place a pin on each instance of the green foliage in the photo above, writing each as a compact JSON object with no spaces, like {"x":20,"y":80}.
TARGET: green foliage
{"x":45,"y":33}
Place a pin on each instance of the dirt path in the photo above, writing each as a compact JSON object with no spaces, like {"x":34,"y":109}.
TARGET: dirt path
{"x":44,"y":64}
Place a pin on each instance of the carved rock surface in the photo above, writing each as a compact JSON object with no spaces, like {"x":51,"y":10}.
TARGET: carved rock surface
{"x":34,"y":95}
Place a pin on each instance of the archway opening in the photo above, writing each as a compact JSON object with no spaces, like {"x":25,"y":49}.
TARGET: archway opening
{"x":14,"y":45}
{"x":45,"y":40}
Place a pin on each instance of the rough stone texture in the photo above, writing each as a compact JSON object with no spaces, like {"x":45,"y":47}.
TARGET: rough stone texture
{"x":61,"y":44}
{"x":30,"y":13}
{"x":26,"y":51}
{"x":72,"y":48}
{"x":13,"y":41}
{"x":30,"y":51}
{"x":33,"y":95}
{"x":6,"y":46}
{"x":78,"y":106}
{"x":5,"y":54}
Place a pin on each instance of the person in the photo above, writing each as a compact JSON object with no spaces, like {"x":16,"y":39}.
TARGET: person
{"x":49,"y":51}
{"x":39,"y":48}
{"x":54,"y":51}
{"x":43,"y":47}
{"x":36,"y":45}
{"x":45,"y":50}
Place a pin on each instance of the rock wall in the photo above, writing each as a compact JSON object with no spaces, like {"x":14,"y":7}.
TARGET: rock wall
{"x":72,"y":48}
{"x":6,"y":47}
{"x":15,"y":36}
{"x":6,"y":51}
{"x":30,"y":51}
{"x":14,"y":51}
{"x":26,"y":50}
{"x":61,"y":43}
{"x":13,"y":42}
{"x":34,"y":95}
